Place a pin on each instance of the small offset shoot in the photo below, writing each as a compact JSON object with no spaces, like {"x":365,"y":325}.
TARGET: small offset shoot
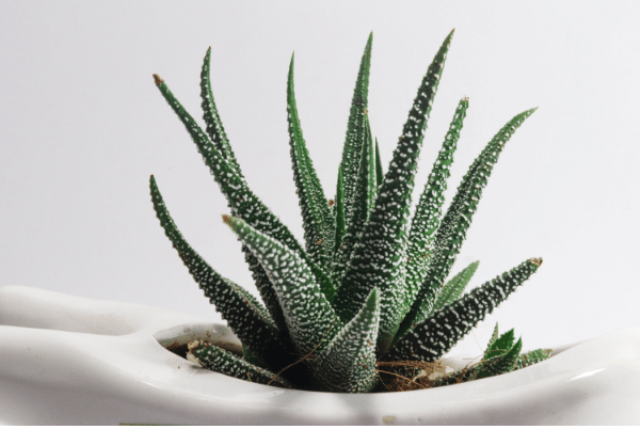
{"x":366,"y":302}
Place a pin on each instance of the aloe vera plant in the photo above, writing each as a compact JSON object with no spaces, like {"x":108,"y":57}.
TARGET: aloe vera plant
{"x":368,"y":284}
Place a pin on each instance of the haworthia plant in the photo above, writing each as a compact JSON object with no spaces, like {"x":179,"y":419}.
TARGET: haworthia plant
{"x":369,"y":282}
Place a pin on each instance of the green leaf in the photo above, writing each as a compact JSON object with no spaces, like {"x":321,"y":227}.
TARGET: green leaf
{"x":456,"y":222}
{"x":318,"y":222}
{"x":532,"y":357}
{"x":266,"y":290}
{"x":242,"y":201}
{"x":362,"y":202}
{"x":493,"y":366}
{"x":500,"y":346}
{"x":429,"y":209}
{"x":215,"y":130}
{"x":454,"y":288}
{"x":430,"y":339}
{"x":244,"y":314}
{"x":220,"y":360}
{"x":494,"y":337}
{"x":348,"y":363}
{"x":501,"y":363}
{"x":379,"y":170}
{"x":340,"y":214}
{"x":356,"y":129}
{"x":308,"y":314}
{"x":378,"y":257}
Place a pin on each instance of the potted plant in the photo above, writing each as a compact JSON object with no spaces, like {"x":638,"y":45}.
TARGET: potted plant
{"x":362,"y":310}
{"x":365,"y":288}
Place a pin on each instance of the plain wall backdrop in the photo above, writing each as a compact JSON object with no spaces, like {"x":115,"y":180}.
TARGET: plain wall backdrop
{"x":82,"y":126}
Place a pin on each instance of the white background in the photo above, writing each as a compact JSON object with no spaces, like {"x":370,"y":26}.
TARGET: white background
{"x":82,"y":126}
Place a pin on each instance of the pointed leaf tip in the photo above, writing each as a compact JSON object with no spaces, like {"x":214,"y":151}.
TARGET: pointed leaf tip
{"x":157,"y":79}
{"x":226,"y":219}
{"x":536,"y":261}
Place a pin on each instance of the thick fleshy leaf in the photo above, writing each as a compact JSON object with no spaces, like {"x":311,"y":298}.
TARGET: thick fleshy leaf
{"x":430,"y":339}
{"x":215,"y":130}
{"x":378,"y":257}
{"x":308,"y":314}
{"x":356,"y":129}
{"x":493,"y":366}
{"x":348,"y":363}
{"x":456,"y":222}
{"x":501,"y":345}
{"x":318,"y":222}
{"x":429,"y":209}
{"x":494,"y":337}
{"x":532,"y":357}
{"x":243,"y":202}
{"x":454,"y":287}
{"x":362,"y":202}
{"x":503,"y":363}
{"x":244,"y":314}
{"x":265,"y":288}
{"x":341,"y":223}
{"x":379,"y":169}
{"x":220,"y":360}
{"x":217,"y":134}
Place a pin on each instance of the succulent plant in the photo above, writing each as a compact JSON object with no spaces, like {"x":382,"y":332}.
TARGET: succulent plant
{"x":367,"y":285}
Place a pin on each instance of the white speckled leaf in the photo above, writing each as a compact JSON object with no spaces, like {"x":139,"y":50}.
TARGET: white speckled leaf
{"x":348,"y":363}
{"x":430,"y":339}
{"x":456,"y":222}
{"x":318,"y":222}
{"x":244,"y":314}
{"x":455,"y":287}
{"x":426,"y":218}
{"x":362,"y":202}
{"x":240,"y":198}
{"x":310,"y":319}
{"x":215,"y":130}
{"x":356,"y":129}
{"x":220,"y":360}
{"x":379,"y":257}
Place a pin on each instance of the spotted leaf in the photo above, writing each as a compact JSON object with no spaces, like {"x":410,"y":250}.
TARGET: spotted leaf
{"x":220,"y":360}
{"x":246,"y":317}
{"x":348,"y":363}
{"x":426,"y":218}
{"x":379,"y":255}
{"x":456,"y":222}
{"x":318,"y":222}
{"x":308,"y":314}
{"x":454,"y":287}
{"x":430,"y":339}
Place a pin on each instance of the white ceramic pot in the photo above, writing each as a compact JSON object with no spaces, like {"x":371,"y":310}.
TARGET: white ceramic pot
{"x":69,"y":360}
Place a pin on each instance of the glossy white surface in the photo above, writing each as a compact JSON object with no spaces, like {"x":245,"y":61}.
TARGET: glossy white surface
{"x":68,"y":360}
